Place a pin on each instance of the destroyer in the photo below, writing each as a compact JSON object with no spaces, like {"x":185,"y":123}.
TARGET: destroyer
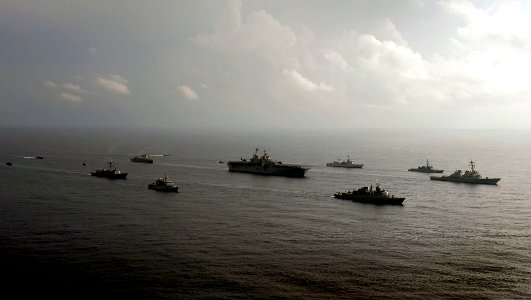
{"x":344,"y":164}
{"x":368,"y":195}
{"x":471,"y":176}
{"x":264,"y":165}
{"x":111,"y":172}
{"x":426,"y":169}
{"x":163,"y":184}
{"x":143,"y":158}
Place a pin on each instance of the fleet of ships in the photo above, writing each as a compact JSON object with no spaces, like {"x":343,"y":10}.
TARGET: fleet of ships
{"x":264,"y":165}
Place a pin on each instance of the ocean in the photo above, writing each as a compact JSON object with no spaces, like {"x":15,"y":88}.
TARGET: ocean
{"x":225,"y":235}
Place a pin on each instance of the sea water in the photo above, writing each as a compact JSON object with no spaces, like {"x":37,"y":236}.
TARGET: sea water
{"x":229,"y":235}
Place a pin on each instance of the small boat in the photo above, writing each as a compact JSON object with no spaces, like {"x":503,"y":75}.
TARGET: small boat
{"x":220,"y":161}
{"x":368,"y":195}
{"x":111,"y":172}
{"x":9,"y":163}
{"x":39,"y":157}
{"x":163,"y":184}
{"x":84,"y":163}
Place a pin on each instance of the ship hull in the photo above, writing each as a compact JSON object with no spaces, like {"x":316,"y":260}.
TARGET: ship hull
{"x":348,"y":167}
{"x":424,"y":171}
{"x":491,"y":181}
{"x":163,"y":189}
{"x":370,"y":199}
{"x":268,"y":170}
{"x":110,"y":176}
{"x":146,"y":161}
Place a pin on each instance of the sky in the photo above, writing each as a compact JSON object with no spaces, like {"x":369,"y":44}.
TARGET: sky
{"x":261,"y":65}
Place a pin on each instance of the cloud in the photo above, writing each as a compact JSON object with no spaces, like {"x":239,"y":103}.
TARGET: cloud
{"x":187,"y":92}
{"x":304,"y":83}
{"x":72,"y":88}
{"x":50,"y":84}
{"x":71,"y":97}
{"x":336,"y":59}
{"x":114,"y":83}
{"x":260,"y":34}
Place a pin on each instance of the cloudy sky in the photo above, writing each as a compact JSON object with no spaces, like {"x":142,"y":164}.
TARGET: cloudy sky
{"x":296,"y":64}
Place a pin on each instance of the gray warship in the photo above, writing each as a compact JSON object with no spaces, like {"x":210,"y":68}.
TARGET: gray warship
{"x":368,"y":195}
{"x":143,"y":158}
{"x":471,"y":176}
{"x":344,"y":164}
{"x":426,"y":169}
{"x":264,"y":165}
{"x":163,"y":184}
{"x":112,"y":172}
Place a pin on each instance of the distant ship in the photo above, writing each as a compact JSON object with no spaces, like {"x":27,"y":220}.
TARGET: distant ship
{"x":344,"y":164}
{"x":111,"y":172}
{"x":143,"y":158}
{"x":368,"y":195}
{"x":264,"y":165}
{"x":39,"y":157}
{"x":426,"y":169}
{"x":163,"y":184}
{"x":84,"y":163}
{"x":9,"y":163}
{"x":471,"y":176}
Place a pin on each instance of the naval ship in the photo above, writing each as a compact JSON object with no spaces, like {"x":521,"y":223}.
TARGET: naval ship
{"x":143,"y":158}
{"x":344,"y":164}
{"x":111,"y":172}
{"x":368,"y":195}
{"x":426,"y":169}
{"x":163,"y":184}
{"x":471,"y":176}
{"x":264,"y":165}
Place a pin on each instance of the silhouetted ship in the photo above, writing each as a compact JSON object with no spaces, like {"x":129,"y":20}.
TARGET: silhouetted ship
{"x":426,"y":169}
{"x":368,"y":195}
{"x":264,"y":165}
{"x":163,"y":184}
{"x":344,"y":164}
{"x":39,"y":157}
{"x":9,"y":163}
{"x":84,"y":163}
{"x":143,"y":158}
{"x":471,"y":176}
{"x":111,"y":172}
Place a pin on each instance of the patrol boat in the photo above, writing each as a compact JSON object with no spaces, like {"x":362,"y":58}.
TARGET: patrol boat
{"x":163,"y":184}
{"x":111,"y":172}
{"x":264,"y":165}
{"x":143,"y":158}
{"x":471,"y":176}
{"x":426,"y":169}
{"x":344,"y":164}
{"x":368,"y":195}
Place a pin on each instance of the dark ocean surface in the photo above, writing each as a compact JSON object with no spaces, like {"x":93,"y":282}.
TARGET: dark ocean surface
{"x":66,"y":234}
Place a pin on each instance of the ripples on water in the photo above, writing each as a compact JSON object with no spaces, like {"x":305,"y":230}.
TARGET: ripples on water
{"x":65,"y":233}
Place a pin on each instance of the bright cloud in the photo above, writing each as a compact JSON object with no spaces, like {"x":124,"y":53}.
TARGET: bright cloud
{"x":114,"y":83}
{"x":306,"y":84}
{"x":50,"y":84}
{"x":71,"y":97}
{"x":187,"y":92}
{"x":336,"y":59}
{"x":72,"y":88}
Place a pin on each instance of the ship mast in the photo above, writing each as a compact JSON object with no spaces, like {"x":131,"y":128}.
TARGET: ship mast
{"x":472,"y":165}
